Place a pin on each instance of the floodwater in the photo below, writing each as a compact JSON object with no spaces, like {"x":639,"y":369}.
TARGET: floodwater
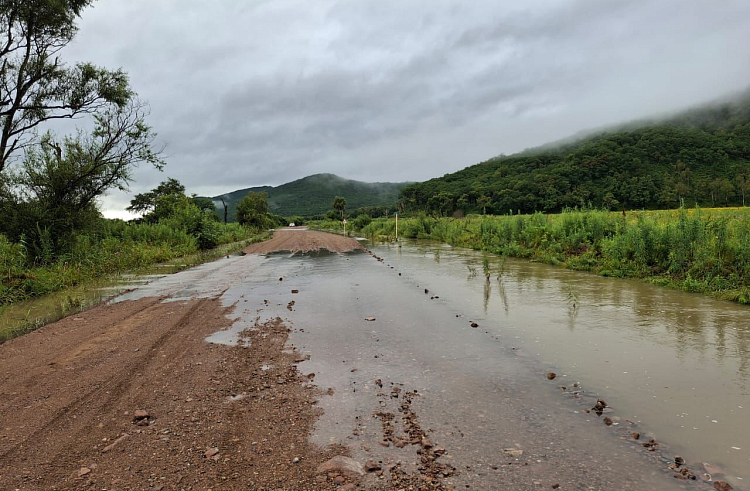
{"x":676,"y":363}
{"x":56,"y":305}
{"x":668,"y":363}
{"x":671,"y":365}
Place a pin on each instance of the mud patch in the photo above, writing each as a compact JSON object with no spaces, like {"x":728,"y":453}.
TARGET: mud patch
{"x":75,"y":392}
{"x":302,"y":240}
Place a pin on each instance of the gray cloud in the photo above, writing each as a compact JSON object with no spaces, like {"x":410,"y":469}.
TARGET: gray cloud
{"x":249,"y":93}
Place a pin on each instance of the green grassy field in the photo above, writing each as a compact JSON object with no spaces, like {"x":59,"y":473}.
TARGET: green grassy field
{"x":696,"y":250}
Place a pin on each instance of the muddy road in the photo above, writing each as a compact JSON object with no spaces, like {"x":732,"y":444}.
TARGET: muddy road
{"x":252,"y":372}
{"x":301,"y":239}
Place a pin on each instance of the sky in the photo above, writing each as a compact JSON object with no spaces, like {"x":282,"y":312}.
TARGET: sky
{"x":253,"y":92}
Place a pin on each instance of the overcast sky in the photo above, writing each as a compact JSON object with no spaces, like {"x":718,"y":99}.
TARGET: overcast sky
{"x":246,"y":93}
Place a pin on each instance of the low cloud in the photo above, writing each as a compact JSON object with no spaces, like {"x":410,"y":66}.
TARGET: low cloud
{"x":250,"y":93}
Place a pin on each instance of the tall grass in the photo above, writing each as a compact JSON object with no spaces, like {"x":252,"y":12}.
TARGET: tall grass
{"x":706,"y":251}
{"x":119,"y":247}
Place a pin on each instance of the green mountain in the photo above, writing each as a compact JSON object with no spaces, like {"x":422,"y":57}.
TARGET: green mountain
{"x":700,"y":156}
{"x":314,"y":194}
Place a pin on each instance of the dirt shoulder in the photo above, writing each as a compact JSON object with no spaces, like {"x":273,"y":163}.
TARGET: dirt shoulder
{"x":214,"y":416}
{"x":303,"y":240}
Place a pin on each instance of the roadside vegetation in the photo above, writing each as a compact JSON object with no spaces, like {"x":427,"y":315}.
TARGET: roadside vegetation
{"x":114,"y":246}
{"x":696,"y":250}
{"x":52,"y":234}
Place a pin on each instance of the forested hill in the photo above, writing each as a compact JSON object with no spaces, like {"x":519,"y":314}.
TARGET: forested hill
{"x":313,"y":195}
{"x":700,"y":156}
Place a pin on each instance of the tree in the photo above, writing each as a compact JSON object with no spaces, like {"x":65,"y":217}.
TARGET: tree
{"x":252,"y":210}
{"x":610,"y":202}
{"x":35,"y":86}
{"x":682,"y":186}
{"x":743,"y":185}
{"x":145,"y":203}
{"x":57,"y":185}
{"x":720,"y":187}
{"x":463,"y":202}
{"x":339,"y":204}
{"x":483,"y":202}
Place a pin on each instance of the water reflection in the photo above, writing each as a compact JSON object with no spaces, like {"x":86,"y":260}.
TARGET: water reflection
{"x":675,"y":360}
{"x":503,"y":296}
{"x":487,"y":293}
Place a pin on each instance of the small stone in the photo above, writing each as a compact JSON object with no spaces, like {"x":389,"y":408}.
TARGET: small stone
{"x":342,"y":464}
{"x":722,"y":486}
{"x":551,"y":375}
{"x":211,"y":452}
{"x":281,"y":279}
{"x":372,"y":466}
{"x":512,"y":452}
{"x":295,"y":460}
{"x":369,"y":319}
{"x":114,"y":443}
{"x":474,"y":325}
{"x":426,"y":443}
{"x":140,"y":414}
{"x":555,"y":486}
{"x":295,"y":291}
{"x":712,"y":469}
{"x":83,"y":471}
{"x":339,"y":480}
{"x":635,"y":435}
{"x":679,"y":460}
{"x":607,"y":421}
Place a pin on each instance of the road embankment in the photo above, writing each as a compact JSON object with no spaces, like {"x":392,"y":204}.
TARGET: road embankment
{"x":301,"y":240}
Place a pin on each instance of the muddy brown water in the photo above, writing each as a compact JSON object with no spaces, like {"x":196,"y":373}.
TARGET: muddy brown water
{"x":671,"y":365}
{"x":674,"y":364}
{"x":57,"y":305}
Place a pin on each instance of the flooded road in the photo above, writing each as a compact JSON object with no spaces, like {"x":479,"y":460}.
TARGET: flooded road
{"x":480,"y":393}
{"x":419,"y":355}
{"x":56,"y":305}
{"x":674,"y":362}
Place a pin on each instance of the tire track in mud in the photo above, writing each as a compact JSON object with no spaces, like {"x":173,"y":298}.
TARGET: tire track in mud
{"x":109,"y":390}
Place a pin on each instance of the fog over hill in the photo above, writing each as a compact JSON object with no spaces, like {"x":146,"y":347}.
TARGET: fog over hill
{"x":405,"y":92}
{"x":700,"y":156}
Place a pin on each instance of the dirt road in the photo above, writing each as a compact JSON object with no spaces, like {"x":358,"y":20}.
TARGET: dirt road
{"x":193,"y":382}
{"x":301,"y":239}
{"x":216,"y":419}
{"x":218,"y":416}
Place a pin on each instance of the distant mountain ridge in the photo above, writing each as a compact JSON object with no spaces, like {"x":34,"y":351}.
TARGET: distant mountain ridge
{"x":313,"y":195}
{"x":698,"y":156}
